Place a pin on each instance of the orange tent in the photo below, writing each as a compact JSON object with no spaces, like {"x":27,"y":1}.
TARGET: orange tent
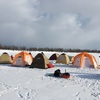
{"x":85,"y":59}
{"x":22,"y":59}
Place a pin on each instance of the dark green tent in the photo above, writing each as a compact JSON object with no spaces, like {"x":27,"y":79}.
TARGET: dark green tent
{"x":40,"y":61}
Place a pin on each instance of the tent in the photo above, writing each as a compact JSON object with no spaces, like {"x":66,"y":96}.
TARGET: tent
{"x":71,"y":59}
{"x":54,"y":56}
{"x":63,"y":58}
{"x":85,"y":59}
{"x":22,"y":59}
{"x":40,"y":61}
{"x":5,"y":58}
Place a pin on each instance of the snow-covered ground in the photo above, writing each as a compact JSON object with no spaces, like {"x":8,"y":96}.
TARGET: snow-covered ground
{"x":19,"y":83}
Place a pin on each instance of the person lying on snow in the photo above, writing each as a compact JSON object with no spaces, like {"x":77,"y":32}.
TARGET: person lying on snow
{"x":58,"y":73}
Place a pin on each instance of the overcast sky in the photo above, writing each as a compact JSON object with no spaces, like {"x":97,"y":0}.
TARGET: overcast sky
{"x":50,"y":23}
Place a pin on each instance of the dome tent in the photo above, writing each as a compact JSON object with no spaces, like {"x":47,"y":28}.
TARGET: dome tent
{"x":22,"y":59}
{"x":5,"y":58}
{"x":85,"y":59}
{"x":54,"y":56}
{"x":63,"y":58}
{"x":41,"y":61}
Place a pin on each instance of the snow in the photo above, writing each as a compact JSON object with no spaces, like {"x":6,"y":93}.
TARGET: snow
{"x":22,"y":83}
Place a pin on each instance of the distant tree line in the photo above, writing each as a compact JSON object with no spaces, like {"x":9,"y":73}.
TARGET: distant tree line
{"x":47,"y":49}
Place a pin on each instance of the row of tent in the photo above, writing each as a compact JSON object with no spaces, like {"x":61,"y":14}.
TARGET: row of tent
{"x":62,"y":58}
{"x":26,"y":59}
{"x":41,"y":61}
{"x":83,"y":59}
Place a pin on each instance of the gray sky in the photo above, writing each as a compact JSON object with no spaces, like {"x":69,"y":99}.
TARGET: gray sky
{"x":50,"y":23}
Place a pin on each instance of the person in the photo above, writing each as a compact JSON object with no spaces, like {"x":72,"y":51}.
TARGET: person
{"x":12,"y":57}
{"x":57,"y":73}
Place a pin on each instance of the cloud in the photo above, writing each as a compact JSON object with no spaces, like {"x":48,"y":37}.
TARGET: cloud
{"x":50,"y":23}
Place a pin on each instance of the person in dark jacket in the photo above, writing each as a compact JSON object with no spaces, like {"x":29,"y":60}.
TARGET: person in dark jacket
{"x":57,"y":73}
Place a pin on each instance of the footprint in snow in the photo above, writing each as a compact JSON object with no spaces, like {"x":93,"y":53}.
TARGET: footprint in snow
{"x":79,"y":98}
{"x":5,"y":86}
{"x":20,"y":96}
{"x":77,"y":94}
{"x":29,"y":95}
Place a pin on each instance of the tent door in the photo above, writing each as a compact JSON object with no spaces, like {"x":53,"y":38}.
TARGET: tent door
{"x":77,"y":62}
{"x":19,"y":61}
{"x":86,"y":62}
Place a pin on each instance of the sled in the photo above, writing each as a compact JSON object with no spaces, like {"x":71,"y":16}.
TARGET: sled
{"x":65,"y":75}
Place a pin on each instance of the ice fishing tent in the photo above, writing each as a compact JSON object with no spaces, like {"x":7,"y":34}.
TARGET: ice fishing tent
{"x":85,"y":59}
{"x":22,"y":59}
{"x":54,"y":56}
{"x":71,"y":58}
{"x":40,"y":61}
{"x":63,"y":58}
{"x":5,"y":58}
